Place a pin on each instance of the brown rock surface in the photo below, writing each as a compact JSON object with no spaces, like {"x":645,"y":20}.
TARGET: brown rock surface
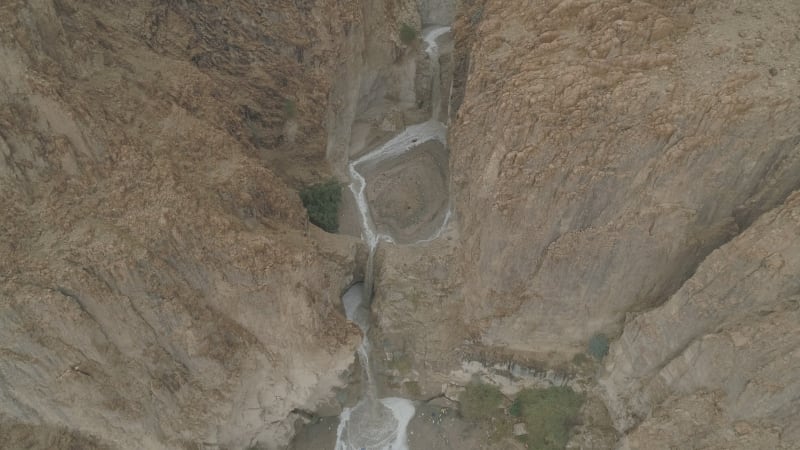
{"x":156,"y":289}
{"x":718,"y":365}
{"x":409,"y":193}
{"x":418,"y":314}
{"x":600,"y":152}
{"x":604,"y":148}
{"x":374,"y":95}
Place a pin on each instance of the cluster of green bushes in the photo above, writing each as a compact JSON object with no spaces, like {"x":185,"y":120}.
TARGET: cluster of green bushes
{"x":407,"y":34}
{"x":289,"y":109}
{"x":480,"y":401}
{"x":322,"y":202}
{"x":548,"y":414}
{"x":598,"y":346}
{"x":476,"y":16}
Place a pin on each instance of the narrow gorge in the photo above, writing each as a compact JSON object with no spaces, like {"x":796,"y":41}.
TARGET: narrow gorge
{"x":551,"y":224}
{"x":375,"y":423}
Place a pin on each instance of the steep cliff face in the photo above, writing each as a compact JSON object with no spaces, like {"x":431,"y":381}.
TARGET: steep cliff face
{"x":375,"y":86}
{"x":614,"y":157}
{"x":157,"y":289}
{"x":718,"y":363}
{"x":603,"y":149}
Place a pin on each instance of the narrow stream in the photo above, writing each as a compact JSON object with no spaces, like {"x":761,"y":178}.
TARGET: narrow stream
{"x":374,"y":423}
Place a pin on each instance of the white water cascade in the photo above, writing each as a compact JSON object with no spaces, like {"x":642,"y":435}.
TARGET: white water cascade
{"x":380,"y":424}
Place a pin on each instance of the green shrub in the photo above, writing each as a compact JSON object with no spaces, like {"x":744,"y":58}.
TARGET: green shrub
{"x":476,"y":16}
{"x":289,"y":109}
{"x":413,"y":388}
{"x":480,"y":401}
{"x":401,"y":363}
{"x":598,"y":346}
{"x":580,"y":359}
{"x":407,"y":33}
{"x":549,"y":414}
{"x":322,"y":203}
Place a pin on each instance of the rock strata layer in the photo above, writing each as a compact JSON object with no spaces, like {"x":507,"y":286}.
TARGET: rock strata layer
{"x":719,"y":363}
{"x":603,"y":149}
{"x":158,"y":287}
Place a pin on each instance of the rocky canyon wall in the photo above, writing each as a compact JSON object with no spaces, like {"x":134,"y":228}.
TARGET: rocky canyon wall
{"x":717,"y":364}
{"x":628,"y":168}
{"x":375,"y":80}
{"x":604,"y":148}
{"x":157,"y":287}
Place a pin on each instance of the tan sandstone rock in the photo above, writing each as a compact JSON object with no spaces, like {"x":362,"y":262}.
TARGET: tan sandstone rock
{"x":157,"y":286}
{"x":604,"y":148}
{"x":717,"y":364}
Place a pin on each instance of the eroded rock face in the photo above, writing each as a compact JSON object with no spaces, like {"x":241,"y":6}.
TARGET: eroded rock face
{"x":156,"y":286}
{"x":604,"y":148}
{"x":409,"y":193}
{"x":718,"y":362}
{"x":375,"y":90}
{"x":613,"y":157}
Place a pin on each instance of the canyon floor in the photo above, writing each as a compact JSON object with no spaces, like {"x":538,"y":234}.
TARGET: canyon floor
{"x":409,"y":194}
{"x":433,"y":427}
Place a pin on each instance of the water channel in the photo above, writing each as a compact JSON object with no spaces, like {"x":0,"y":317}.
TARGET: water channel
{"x":380,"y":423}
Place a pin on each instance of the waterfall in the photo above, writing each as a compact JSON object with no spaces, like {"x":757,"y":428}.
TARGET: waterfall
{"x":432,"y":49}
{"x":369,"y":275}
{"x":381,"y":423}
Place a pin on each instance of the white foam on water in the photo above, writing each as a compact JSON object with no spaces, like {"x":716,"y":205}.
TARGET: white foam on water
{"x":402,"y":412}
{"x":432,"y":48}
